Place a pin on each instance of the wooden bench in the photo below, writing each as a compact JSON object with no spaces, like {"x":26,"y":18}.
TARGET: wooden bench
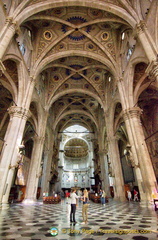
{"x":97,"y":199}
{"x":51,"y":200}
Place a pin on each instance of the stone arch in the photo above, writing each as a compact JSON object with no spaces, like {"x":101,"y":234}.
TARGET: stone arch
{"x":26,"y":12}
{"x":72,"y":112}
{"x":38,"y":69}
{"x":54,"y":98}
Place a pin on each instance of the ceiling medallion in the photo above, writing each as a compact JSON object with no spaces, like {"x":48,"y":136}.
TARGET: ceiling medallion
{"x":105,"y":36}
{"x":76,"y":20}
{"x":47,"y":35}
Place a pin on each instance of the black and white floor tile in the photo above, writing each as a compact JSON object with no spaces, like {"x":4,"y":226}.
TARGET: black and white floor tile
{"x":114,"y":221}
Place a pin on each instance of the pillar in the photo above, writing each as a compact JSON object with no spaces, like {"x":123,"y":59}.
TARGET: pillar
{"x":59,"y":180}
{"x":142,"y":162}
{"x":47,"y":167}
{"x":119,"y":191}
{"x":9,"y":159}
{"x":35,"y":170}
{"x":45,"y":173}
{"x":104,"y":172}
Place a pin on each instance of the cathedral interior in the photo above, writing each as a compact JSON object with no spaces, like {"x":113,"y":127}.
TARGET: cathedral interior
{"x":78,"y":100}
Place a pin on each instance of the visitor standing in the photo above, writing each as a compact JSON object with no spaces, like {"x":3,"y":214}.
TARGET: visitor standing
{"x":129,"y":195}
{"x":85,"y":206}
{"x":73,"y":197}
{"x":103,"y":196}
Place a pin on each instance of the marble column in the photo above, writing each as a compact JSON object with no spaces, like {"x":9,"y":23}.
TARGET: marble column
{"x":10,"y":153}
{"x":142,"y":162}
{"x":119,"y":191}
{"x":35,"y":170}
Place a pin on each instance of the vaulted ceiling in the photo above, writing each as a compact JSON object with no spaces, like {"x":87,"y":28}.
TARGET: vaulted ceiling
{"x":75,"y":52}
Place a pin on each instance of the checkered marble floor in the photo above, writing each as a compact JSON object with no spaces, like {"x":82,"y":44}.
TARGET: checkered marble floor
{"x":114,"y":221}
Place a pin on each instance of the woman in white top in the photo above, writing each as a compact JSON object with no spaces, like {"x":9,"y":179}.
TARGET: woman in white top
{"x":73,"y":197}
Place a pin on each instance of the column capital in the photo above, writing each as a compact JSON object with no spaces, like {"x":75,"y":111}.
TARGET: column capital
{"x":15,"y":111}
{"x":140,"y":27}
{"x":8,"y":20}
{"x":133,"y":112}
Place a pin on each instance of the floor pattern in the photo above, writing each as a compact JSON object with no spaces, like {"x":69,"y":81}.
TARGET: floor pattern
{"x":114,"y":221}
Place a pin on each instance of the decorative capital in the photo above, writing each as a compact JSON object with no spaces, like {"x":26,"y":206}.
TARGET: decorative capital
{"x":140,"y":27}
{"x":12,"y":25}
{"x":20,"y":112}
{"x":134,"y":112}
{"x":9,"y":20}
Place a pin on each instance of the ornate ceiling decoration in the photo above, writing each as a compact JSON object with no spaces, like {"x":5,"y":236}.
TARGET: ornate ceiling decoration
{"x":78,"y":47}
